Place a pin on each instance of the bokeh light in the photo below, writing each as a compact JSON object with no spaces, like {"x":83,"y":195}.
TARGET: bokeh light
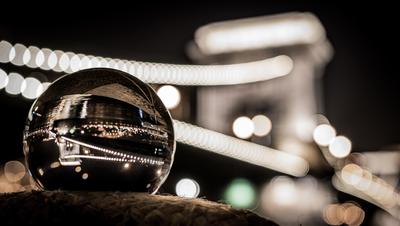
{"x":3,"y":79}
{"x":262,"y":125}
{"x":31,"y":87}
{"x":14,"y":171}
{"x":240,"y":193}
{"x":187,"y":188}
{"x":347,"y":213}
{"x":5,"y":48}
{"x":323,"y":134}
{"x":14,"y":83}
{"x":169,"y":95}
{"x":17,"y":53}
{"x":340,"y":147}
{"x":243,"y":127}
{"x":352,"y":174}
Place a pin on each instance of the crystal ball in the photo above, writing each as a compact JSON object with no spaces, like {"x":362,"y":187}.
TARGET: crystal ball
{"x":99,"y":129}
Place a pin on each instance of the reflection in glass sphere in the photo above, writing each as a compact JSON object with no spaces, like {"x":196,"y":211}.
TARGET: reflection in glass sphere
{"x":99,"y":129}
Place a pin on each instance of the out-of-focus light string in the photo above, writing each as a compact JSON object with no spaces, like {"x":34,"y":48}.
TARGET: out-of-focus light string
{"x":359,"y":182}
{"x":160,"y":73}
{"x":239,"y":149}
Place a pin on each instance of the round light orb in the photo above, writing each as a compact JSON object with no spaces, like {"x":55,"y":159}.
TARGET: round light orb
{"x":14,"y":83}
{"x":262,"y":125}
{"x":99,"y":121}
{"x":5,"y":50}
{"x":243,"y":127}
{"x":170,"y":96}
{"x":30,"y":87}
{"x":14,"y":171}
{"x":324,"y":134}
{"x":187,"y":188}
{"x":240,"y":193}
{"x":340,"y":147}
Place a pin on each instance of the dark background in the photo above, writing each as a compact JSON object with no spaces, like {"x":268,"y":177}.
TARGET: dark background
{"x":361,"y":92}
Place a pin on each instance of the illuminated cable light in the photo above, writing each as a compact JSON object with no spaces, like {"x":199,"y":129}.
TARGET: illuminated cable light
{"x":31,"y":87}
{"x":42,"y":88}
{"x":352,"y":174}
{"x":187,"y":188}
{"x":17,"y":55}
{"x":26,"y":56}
{"x":5,"y":49}
{"x":243,"y":127}
{"x":262,"y":125}
{"x":363,"y":184}
{"x":3,"y":79}
{"x":324,"y":134}
{"x":340,"y":147}
{"x":46,"y":55}
{"x":39,"y":59}
{"x":75,"y":63}
{"x":171,"y":73}
{"x":14,"y":83}
{"x":55,"y":60}
{"x":259,"y":32}
{"x":14,"y":171}
{"x":52,"y":60}
{"x":239,"y":149}
{"x":240,"y":193}
{"x":33,"y":52}
{"x":169,"y":95}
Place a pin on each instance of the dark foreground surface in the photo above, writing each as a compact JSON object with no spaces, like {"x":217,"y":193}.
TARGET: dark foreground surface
{"x":117,"y":208}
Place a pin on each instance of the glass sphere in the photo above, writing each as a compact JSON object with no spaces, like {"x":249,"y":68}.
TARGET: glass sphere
{"x":99,"y":129}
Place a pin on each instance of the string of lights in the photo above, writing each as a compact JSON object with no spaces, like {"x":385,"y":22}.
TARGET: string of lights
{"x":240,"y":149}
{"x":208,"y":140}
{"x":158,"y":73}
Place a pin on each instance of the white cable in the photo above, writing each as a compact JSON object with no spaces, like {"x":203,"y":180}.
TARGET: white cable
{"x":201,"y":75}
{"x":240,"y":149}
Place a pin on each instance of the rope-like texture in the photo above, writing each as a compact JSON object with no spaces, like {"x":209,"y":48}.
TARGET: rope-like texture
{"x":116,"y":208}
{"x":240,"y":149}
{"x":160,"y":73}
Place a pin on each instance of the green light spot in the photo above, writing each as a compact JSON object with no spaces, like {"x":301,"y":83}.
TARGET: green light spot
{"x":240,"y":193}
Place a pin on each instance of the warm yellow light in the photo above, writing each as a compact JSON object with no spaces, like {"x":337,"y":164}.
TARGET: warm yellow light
{"x":85,"y":176}
{"x":352,"y":174}
{"x":14,"y":171}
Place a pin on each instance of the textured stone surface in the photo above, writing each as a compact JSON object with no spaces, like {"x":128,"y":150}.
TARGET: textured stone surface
{"x":117,"y":208}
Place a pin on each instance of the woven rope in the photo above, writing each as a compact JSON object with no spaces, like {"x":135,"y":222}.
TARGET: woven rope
{"x":117,"y":208}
